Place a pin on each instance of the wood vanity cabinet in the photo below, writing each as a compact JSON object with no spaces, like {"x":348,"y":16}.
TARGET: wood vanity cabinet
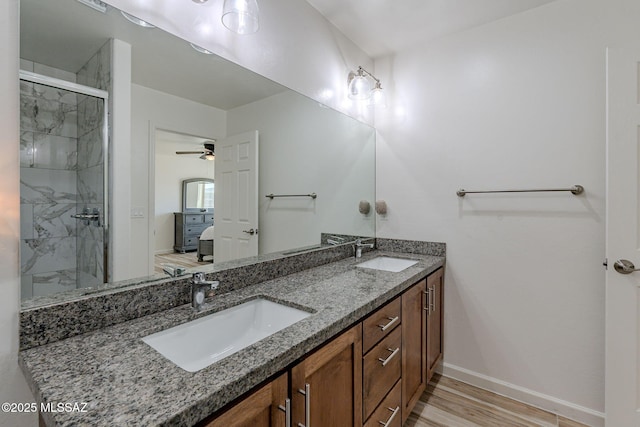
{"x":370,"y":375}
{"x":414,"y":345}
{"x":259,"y":409}
{"x":326,"y":387}
{"x":435,"y":314}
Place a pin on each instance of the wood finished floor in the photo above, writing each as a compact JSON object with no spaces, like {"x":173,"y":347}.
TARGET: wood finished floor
{"x":187,"y":260}
{"x":451,"y":403}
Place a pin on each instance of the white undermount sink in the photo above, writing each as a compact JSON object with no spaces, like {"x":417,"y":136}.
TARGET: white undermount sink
{"x":197,"y":344}
{"x":387,"y":264}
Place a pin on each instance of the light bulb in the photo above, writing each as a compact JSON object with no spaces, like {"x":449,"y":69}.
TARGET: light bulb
{"x":359,"y":87}
{"x":241,"y":16}
{"x":378,"y":98}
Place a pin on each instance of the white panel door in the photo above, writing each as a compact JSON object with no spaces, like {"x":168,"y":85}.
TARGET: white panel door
{"x":236,"y":197}
{"x":622,"y":394}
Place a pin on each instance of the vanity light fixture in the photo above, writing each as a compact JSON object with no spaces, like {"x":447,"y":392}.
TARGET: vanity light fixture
{"x":136,"y":21}
{"x":378,"y":98}
{"x":360,"y":88}
{"x":241,"y":16}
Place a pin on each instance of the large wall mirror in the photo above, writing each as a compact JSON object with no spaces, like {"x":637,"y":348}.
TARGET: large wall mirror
{"x":272,"y":150}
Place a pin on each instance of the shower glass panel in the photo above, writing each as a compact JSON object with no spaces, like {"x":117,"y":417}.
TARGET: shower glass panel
{"x":63,"y":210}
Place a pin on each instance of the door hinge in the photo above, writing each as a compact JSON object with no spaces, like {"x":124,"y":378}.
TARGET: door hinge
{"x":606,"y":263}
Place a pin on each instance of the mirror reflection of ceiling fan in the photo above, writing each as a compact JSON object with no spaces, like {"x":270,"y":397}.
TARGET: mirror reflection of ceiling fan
{"x":207,"y":153}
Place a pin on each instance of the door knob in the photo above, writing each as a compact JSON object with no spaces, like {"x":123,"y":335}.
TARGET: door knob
{"x":624,"y":266}
{"x":250,"y":231}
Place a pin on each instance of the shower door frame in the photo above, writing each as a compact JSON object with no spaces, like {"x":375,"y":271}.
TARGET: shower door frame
{"x":32,"y":77}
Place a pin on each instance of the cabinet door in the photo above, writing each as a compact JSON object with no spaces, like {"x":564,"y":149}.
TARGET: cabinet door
{"x":434,"y":335}
{"x":326,"y":387}
{"x":414,"y":346}
{"x":259,"y":409}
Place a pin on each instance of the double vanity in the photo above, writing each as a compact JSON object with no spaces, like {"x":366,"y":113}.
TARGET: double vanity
{"x":347,"y":342}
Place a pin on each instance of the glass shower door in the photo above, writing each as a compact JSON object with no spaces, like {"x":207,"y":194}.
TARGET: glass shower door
{"x":62,"y":187}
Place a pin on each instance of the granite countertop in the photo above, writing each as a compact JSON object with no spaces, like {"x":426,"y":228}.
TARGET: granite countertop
{"x":124,"y":382}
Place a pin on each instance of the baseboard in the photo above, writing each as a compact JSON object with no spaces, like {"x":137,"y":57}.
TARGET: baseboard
{"x":548,"y":403}
{"x":164,"y":251}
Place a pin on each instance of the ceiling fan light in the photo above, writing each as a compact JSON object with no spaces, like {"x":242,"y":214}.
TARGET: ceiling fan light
{"x":241,"y":16}
{"x":208,"y":156}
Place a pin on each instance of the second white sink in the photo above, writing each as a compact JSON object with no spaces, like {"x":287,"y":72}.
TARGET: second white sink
{"x":197,"y":344}
{"x":387,"y":264}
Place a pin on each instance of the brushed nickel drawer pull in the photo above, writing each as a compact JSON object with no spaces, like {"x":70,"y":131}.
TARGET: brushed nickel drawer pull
{"x":391,"y":356}
{"x":307,"y":405}
{"x":287,"y":412}
{"x":427,"y":300}
{"x":432,"y":306}
{"x":393,"y":415}
{"x":392,"y":321}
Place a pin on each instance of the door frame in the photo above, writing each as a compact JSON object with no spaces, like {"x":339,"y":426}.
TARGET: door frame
{"x":151,"y":207}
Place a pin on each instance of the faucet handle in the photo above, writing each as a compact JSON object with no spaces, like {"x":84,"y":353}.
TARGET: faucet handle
{"x":198,"y":279}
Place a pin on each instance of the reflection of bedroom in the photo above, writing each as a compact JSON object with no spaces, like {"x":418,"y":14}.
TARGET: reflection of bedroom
{"x":171,"y":171}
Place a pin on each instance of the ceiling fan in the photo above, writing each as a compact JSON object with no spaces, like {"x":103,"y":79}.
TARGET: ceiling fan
{"x":208,"y":152}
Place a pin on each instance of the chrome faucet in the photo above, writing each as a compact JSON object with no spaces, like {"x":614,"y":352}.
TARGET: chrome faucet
{"x":359,"y":245}
{"x":173,"y":270}
{"x":200,"y":288}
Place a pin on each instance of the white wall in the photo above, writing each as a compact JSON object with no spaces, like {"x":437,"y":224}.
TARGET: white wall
{"x":12,"y":384}
{"x":120,"y":166}
{"x":306,"y":148}
{"x":518,"y":103}
{"x":296,"y":46}
{"x":171,"y":170}
{"x":153,"y":110}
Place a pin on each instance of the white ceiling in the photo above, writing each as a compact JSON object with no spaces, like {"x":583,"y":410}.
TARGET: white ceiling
{"x":65,"y":34}
{"x":381,"y":27}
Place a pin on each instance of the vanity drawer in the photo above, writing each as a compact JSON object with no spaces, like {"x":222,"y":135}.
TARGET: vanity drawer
{"x":381,"y":369}
{"x":380,"y":324}
{"x":193,"y":219}
{"x":389,"y":409}
{"x":208,"y":218}
{"x":193,"y":230}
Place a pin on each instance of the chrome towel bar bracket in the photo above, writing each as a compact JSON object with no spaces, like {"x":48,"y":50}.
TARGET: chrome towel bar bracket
{"x":576,"y":189}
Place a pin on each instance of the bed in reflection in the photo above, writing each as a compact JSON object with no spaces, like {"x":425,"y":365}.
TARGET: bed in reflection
{"x":205,"y":244}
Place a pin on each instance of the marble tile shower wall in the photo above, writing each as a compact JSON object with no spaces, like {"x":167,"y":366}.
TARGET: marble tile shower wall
{"x":90,"y":238}
{"x":61,"y":160}
{"x":48,"y":185}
